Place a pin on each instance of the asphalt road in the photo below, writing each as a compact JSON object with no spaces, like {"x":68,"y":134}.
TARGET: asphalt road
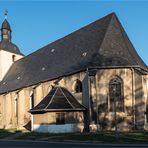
{"x":32,"y":144}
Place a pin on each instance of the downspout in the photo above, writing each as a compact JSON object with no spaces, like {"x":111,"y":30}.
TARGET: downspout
{"x":4,"y":112}
{"x":89,"y":103}
{"x":96,"y":79}
{"x":86,"y":101}
{"x":146,"y":99}
{"x":143,"y":88}
{"x":17,"y":108}
{"x":133,"y":97}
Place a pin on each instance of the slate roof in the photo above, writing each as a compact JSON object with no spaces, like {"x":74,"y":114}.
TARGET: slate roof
{"x":10,"y":47}
{"x":100,"y":44}
{"x":58,"y":99}
{"x":6,"y":25}
{"x":7,"y":45}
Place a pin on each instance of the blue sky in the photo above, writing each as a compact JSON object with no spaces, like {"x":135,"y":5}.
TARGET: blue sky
{"x":36,"y":23}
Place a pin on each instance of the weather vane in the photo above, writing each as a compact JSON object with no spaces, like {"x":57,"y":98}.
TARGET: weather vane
{"x":6,"y":14}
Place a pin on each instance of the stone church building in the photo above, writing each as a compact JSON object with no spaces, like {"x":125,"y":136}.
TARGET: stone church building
{"x":77,"y":83}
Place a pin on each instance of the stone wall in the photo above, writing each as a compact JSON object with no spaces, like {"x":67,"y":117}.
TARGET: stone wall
{"x":14,"y":106}
{"x":101,"y":96}
{"x":47,"y":122}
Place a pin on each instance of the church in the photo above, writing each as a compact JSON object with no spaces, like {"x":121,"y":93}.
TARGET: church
{"x":90,"y":80}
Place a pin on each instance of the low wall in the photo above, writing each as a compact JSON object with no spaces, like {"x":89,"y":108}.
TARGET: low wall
{"x":54,"y":128}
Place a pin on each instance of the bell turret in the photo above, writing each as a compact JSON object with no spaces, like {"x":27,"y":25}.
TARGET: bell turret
{"x":6,"y":30}
{"x":9,"y":52}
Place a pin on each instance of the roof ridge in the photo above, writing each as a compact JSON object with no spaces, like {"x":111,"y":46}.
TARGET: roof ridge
{"x":66,"y":97}
{"x":51,"y":98}
{"x":130,"y":49}
{"x":112,"y":14}
{"x":125,"y":37}
{"x":74,"y":31}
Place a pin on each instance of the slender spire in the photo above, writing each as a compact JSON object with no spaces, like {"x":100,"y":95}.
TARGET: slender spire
{"x":5,"y":29}
{"x":6,"y":14}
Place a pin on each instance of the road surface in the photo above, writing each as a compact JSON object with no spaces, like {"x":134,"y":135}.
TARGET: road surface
{"x":37,"y":144}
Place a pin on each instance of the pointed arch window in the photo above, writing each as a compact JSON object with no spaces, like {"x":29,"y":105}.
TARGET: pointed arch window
{"x":77,"y":86}
{"x":32,"y":99}
{"x":116,"y":90}
{"x":16,"y":105}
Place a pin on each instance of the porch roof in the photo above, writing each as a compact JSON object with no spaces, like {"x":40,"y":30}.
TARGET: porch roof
{"x":58,"y":99}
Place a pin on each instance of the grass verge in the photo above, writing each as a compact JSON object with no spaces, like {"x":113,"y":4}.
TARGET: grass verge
{"x":101,"y":137}
{"x":7,"y":132}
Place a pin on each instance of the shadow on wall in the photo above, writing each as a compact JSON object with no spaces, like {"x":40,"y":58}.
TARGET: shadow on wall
{"x":139,"y":106}
{"x":125,"y":119}
{"x":93,"y":112}
{"x":106,"y":118}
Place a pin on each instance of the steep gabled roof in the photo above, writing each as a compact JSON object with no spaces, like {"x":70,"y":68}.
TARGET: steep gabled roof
{"x":117,"y":49}
{"x":6,"y":25}
{"x":102,"y":43}
{"x":58,"y":99}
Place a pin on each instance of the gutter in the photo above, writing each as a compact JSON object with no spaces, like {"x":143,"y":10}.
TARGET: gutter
{"x":71,"y":73}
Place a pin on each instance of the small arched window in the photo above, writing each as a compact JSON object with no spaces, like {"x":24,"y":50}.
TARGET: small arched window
{"x":13,"y":58}
{"x":77,"y":86}
{"x":16,"y":105}
{"x":116,"y":92}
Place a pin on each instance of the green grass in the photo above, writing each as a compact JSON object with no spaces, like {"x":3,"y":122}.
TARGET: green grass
{"x":101,"y":137}
{"x":43,"y":136}
{"x":7,"y":132}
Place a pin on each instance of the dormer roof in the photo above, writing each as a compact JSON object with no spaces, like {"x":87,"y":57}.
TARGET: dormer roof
{"x":59,"y":99}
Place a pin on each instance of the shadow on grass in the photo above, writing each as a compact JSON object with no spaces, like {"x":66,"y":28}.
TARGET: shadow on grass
{"x":8,"y":132}
{"x":100,"y":137}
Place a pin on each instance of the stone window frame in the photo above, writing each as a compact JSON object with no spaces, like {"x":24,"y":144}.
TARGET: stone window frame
{"x":119,"y":94}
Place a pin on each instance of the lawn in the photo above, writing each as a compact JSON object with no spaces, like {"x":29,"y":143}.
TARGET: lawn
{"x":7,"y":132}
{"x":101,"y":137}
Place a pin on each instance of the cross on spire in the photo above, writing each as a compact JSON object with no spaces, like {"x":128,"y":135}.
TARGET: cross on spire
{"x":6,"y":14}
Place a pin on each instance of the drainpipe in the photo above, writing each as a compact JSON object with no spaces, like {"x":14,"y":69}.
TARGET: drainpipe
{"x":86,"y":101}
{"x":144,"y":96}
{"x":89,"y":103}
{"x":96,"y":79}
{"x":4,"y":111}
{"x":146,"y":99}
{"x":133,"y":97}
